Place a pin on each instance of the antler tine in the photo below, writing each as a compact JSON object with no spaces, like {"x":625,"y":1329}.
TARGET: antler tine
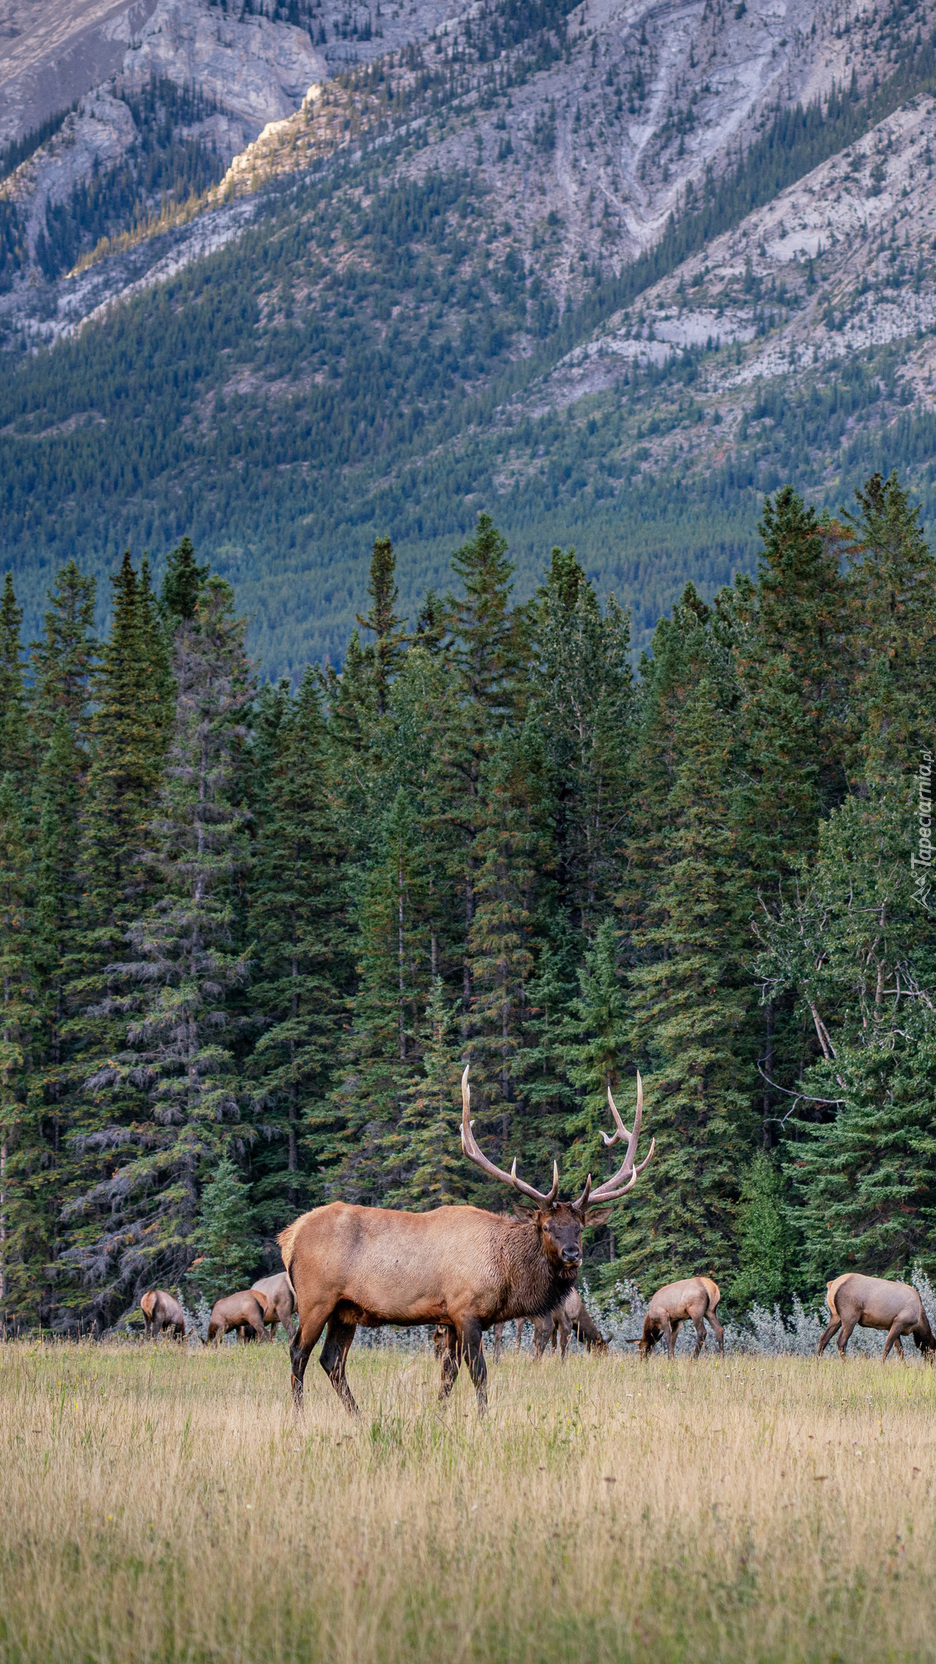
{"x":620,"y":1131}
{"x":626,"y":1175}
{"x":474,"y":1153}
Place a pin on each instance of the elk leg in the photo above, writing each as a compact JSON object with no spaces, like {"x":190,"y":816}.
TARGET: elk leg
{"x":518,"y":1325}
{"x":338,"y":1338}
{"x":451,"y":1359}
{"x":670,"y":1331}
{"x":845,"y":1336}
{"x":893,"y":1339}
{"x":305,"y":1338}
{"x":833,"y":1329}
{"x":700,"y":1336}
{"x":473,"y":1352}
{"x":718,"y":1332}
{"x":565,"y":1331}
{"x":498,"y":1342}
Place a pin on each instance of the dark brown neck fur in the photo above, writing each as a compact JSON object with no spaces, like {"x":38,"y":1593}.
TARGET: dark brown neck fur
{"x":532,"y":1283}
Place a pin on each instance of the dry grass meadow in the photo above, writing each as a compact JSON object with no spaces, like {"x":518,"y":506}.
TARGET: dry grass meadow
{"x":160,"y":1504}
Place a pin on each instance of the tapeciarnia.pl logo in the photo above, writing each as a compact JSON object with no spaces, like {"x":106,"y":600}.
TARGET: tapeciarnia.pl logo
{"x":921,"y":860}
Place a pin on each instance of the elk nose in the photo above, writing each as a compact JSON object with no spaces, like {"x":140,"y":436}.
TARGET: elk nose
{"x":572,"y":1256}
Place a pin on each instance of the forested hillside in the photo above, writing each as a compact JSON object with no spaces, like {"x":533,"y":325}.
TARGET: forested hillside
{"x":250,"y":933}
{"x":608,"y":275}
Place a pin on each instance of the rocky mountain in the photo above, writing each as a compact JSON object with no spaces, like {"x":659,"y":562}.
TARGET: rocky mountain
{"x":612,"y":270}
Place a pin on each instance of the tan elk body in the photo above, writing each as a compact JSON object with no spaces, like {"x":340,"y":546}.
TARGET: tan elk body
{"x":162,"y":1311}
{"x":458,"y":1267}
{"x":692,"y":1300}
{"x":876,"y":1303}
{"x":242,"y":1312}
{"x":276,"y":1297}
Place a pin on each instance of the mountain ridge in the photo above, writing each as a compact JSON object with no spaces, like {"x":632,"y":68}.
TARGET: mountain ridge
{"x":444,"y":305}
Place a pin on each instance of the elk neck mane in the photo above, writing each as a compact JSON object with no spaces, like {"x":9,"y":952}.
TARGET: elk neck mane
{"x":533,"y":1284}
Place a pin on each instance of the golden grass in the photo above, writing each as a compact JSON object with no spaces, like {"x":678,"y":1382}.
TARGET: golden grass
{"x":158,"y":1504}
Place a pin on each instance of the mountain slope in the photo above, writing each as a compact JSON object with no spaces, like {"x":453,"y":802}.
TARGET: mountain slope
{"x":611,"y":273}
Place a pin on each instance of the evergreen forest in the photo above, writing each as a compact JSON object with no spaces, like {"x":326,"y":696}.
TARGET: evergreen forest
{"x":251,"y":931}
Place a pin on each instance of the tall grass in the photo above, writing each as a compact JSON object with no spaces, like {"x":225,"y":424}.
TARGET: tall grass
{"x":163,"y":1504}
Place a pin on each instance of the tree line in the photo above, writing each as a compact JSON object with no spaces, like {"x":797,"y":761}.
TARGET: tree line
{"x":250,"y":932}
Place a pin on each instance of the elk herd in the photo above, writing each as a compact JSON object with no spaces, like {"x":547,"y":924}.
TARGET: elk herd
{"x":465,"y":1271}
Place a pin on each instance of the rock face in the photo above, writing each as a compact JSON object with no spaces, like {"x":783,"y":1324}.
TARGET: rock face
{"x":253,"y":69}
{"x":52,"y":52}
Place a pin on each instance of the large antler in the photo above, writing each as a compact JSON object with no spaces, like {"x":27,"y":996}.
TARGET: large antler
{"x":626,"y":1175}
{"x":475,"y":1154}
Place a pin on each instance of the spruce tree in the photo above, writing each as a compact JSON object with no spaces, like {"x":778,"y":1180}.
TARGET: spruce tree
{"x":181,"y":983}
{"x":15,"y":747}
{"x":424,"y":1149}
{"x":302,"y":964}
{"x":182,"y":584}
{"x":385,"y":651}
{"x":692,"y":994}
{"x":892,"y":604}
{"x":768,"y":1255}
{"x":224,"y":1240}
{"x":18,"y":1028}
{"x":583,"y":689}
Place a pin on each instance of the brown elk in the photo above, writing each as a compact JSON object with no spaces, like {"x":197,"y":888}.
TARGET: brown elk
{"x":875,"y":1303}
{"x":459,"y":1267}
{"x":161,"y":1311}
{"x":693,"y":1300}
{"x":569,"y":1318}
{"x":242,"y":1312}
{"x":276,"y":1297}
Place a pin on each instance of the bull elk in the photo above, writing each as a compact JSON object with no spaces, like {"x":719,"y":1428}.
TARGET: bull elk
{"x":276,"y":1298}
{"x":458,"y":1267}
{"x":693,"y":1300}
{"x":242,"y":1312}
{"x":162,"y":1311}
{"x":875,"y":1303}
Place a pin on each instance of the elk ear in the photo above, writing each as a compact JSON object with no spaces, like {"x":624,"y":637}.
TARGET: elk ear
{"x":596,"y":1216}
{"x":526,"y":1214}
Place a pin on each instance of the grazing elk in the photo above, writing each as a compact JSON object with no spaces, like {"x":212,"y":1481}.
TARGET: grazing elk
{"x":459,"y":1267}
{"x":569,"y":1318}
{"x":242,"y":1312}
{"x":693,"y":1300}
{"x":161,"y":1311}
{"x":276,"y":1298}
{"x":875,"y":1303}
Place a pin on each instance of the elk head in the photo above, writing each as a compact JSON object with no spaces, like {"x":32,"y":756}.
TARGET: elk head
{"x":560,"y":1224}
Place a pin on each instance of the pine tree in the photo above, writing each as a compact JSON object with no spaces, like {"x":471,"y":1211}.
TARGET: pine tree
{"x":597,"y":1045}
{"x":892,"y":602}
{"x":425,"y":1150}
{"x":583,"y":689}
{"x":861,"y":960}
{"x":140,"y":1223}
{"x":225,"y":1243}
{"x":63,"y":661}
{"x":488,"y":639}
{"x":18,"y":1025}
{"x":129,"y":733}
{"x":767,"y":1248}
{"x":385,"y":651}
{"x":381,"y":1056}
{"x":15,"y":747}
{"x":182,"y":585}
{"x":692,"y":993}
{"x":302,"y":970}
